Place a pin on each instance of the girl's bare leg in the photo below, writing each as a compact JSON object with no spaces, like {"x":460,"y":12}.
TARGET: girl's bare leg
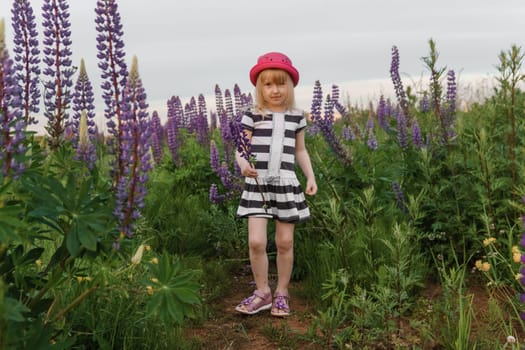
{"x":284,"y":234}
{"x":257,"y":239}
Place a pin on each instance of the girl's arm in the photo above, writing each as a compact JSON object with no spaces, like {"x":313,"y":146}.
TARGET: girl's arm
{"x":246,"y":169}
{"x":303,"y":159}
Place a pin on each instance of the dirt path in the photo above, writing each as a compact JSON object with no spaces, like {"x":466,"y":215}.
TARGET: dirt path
{"x":226,"y":329}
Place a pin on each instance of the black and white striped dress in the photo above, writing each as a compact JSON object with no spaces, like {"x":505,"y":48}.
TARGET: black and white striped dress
{"x":273,"y":144}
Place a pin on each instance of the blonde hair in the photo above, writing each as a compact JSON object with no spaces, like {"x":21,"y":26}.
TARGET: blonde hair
{"x":277,"y":76}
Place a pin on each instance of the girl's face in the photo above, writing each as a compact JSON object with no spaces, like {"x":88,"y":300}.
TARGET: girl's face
{"x":275,"y":95}
{"x":275,"y":91}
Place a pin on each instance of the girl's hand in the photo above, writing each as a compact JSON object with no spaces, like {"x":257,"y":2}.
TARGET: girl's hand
{"x":248,"y":171}
{"x":311,"y":187}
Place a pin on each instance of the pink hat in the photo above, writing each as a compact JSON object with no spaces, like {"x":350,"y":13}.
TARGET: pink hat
{"x":274,"y":60}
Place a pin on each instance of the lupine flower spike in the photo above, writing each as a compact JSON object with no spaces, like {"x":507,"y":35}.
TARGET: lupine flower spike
{"x":402,"y":132}
{"x":156,"y":137}
{"x":85,"y":147}
{"x":398,"y":83}
{"x":325,"y":123}
{"x":136,"y":130}
{"x":174,"y":124}
{"x":244,"y":148}
{"x":451,"y":102}
{"x":11,"y":115}
{"x":114,"y":72}
{"x":58,"y":69}
{"x":27,"y":57}
{"x":83,"y":106}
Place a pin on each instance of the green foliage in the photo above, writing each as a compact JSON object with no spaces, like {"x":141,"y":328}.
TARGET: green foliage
{"x":174,"y":291}
{"x":62,"y":284}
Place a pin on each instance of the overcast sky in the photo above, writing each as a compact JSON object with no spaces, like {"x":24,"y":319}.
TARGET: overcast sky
{"x":186,"y":47}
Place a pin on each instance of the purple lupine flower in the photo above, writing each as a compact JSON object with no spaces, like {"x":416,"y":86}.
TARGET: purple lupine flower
{"x":325,"y":123}
{"x":244,"y":148}
{"x":176,"y":111}
{"x":11,"y":115}
{"x":228,"y":139}
{"x":156,"y":137}
{"x":114,"y":73}
{"x":227,"y":179}
{"x":247,"y":100}
{"x":451,"y":101}
{"x":236,"y":169}
{"x":347,"y":133}
{"x":400,"y":197}
{"x":228,"y":104}
{"x":328,"y":115}
{"x":424,"y":103}
{"x":402,"y":132}
{"x":85,"y":148}
{"x":172,"y":138}
{"x":136,"y":132}
{"x":389,"y":108}
{"x":173,"y":126}
{"x":58,"y":67}
{"x":215,"y":197}
{"x":190,"y":111}
{"x":417,"y":138}
{"x":451,"y":90}
{"x":237,"y":98}
{"x":369,"y":124}
{"x":371,"y":138}
{"x":218,"y":99}
{"x":382,"y":113}
{"x":213,"y":120}
{"x":214,"y":157}
{"x":17,"y":165}
{"x":398,"y":83}
{"x":156,"y":126}
{"x":27,"y":57}
{"x":316,"y":109}
{"x":83,"y":105}
{"x":202,"y":121}
{"x":335,"y":94}
{"x":242,"y":142}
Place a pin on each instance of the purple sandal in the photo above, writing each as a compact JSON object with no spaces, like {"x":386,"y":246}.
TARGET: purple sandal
{"x":250,"y":306}
{"x":281,"y":305}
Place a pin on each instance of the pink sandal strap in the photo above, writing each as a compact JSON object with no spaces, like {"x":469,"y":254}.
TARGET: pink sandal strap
{"x":281,"y":304}
{"x":250,"y":306}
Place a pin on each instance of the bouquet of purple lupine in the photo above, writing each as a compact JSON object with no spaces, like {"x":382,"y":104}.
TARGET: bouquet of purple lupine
{"x":244,"y":147}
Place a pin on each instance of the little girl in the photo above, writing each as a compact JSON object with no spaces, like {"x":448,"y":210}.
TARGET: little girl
{"x":272,"y":191}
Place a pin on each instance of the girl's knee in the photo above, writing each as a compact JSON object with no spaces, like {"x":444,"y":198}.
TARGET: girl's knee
{"x":258,"y":245}
{"x":284,"y":244}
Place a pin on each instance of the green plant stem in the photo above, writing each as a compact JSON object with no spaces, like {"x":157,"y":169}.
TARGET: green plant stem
{"x":265,"y":206}
{"x":75,"y":302}
{"x":326,"y":173}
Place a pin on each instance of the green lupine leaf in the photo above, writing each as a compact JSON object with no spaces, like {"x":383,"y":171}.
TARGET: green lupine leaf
{"x":88,"y":240}
{"x":9,"y":215}
{"x":183,"y":279}
{"x":151,"y":307}
{"x":73,"y":242}
{"x":187,"y":295}
{"x":44,"y":211}
{"x":31,"y":256}
{"x":51,"y":223}
{"x":14,"y":310}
